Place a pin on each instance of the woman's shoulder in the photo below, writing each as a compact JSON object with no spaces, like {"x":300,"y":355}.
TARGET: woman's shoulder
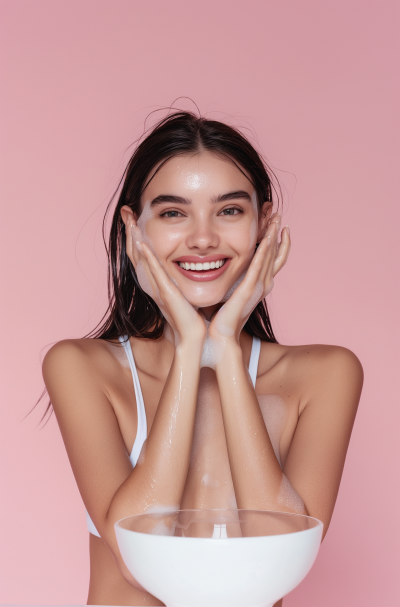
{"x":311,"y":361}
{"x":82,"y":354}
{"x":319,"y":375}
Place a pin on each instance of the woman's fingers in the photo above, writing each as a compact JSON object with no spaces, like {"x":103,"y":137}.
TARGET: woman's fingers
{"x":155,"y":273}
{"x":258,"y":282}
{"x":239,"y":307}
{"x":140,"y":262}
{"x":261,"y":263}
{"x":265,"y":252}
{"x":145,"y":275}
{"x":163,"y":281}
{"x":283,"y":251}
{"x":177,"y":310}
{"x":269,"y":249}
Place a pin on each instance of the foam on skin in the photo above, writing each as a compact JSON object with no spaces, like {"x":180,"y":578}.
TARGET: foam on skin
{"x":233,"y":288}
{"x":289,"y":497}
{"x":143,"y":279}
{"x":209,"y":354}
{"x":256,"y":296}
{"x":160,"y":509}
{"x":162,"y":529}
{"x":139,"y":234}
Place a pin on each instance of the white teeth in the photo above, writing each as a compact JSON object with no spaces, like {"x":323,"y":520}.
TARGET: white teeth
{"x":199,"y":267}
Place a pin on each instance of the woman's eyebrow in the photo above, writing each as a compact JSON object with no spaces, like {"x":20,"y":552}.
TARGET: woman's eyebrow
{"x":162,"y":198}
{"x":169,"y":198}
{"x":239,"y":194}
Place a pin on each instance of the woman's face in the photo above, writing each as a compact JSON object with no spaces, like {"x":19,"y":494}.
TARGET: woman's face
{"x":200,"y":217}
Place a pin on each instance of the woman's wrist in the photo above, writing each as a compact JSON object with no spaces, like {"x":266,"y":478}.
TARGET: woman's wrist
{"x":229,"y":351}
{"x":192,"y":338}
{"x":190,"y":347}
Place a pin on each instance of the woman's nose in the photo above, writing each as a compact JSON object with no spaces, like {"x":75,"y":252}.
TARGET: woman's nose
{"x":203,"y":235}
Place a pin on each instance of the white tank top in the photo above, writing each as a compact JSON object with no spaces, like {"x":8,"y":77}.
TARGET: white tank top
{"x":141,"y":434}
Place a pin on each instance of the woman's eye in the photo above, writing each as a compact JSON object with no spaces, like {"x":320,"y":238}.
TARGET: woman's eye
{"x":171,"y":214}
{"x":231,"y":211}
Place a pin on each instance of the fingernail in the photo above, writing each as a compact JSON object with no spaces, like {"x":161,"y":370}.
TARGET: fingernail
{"x":288,"y":229}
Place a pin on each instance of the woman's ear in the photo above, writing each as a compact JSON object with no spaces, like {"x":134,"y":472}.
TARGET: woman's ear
{"x":128,"y":216}
{"x":263,"y":219}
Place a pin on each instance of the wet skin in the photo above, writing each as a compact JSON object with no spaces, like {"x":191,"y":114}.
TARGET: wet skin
{"x":91,"y":386}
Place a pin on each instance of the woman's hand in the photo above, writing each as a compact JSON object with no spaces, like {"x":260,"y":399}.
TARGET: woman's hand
{"x":185,"y":322}
{"x":269,"y":258}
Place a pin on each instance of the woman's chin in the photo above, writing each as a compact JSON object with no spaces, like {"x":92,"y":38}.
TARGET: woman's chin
{"x":203,"y":300}
{"x":202,"y":295}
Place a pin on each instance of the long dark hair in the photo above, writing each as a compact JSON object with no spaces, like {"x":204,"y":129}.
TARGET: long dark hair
{"x":131,"y":311}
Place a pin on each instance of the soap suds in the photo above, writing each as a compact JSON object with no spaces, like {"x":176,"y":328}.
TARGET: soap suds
{"x":233,"y":288}
{"x":254,"y":299}
{"x":289,"y":497}
{"x":162,"y":509}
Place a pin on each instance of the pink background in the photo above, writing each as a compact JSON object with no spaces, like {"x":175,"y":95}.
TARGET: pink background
{"x":317,"y":81}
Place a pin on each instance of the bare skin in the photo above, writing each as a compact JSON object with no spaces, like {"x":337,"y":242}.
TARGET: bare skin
{"x":93,"y":397}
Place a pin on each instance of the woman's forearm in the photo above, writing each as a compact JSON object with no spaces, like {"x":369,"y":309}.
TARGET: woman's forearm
{"x":257,"y":476}
{"x":159,"y":477}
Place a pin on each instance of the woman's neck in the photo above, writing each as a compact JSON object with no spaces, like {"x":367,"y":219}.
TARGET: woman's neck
{"x":209,"y":311}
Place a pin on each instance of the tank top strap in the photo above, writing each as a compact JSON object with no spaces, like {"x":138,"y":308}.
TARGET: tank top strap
{"x":141,"y":434}
{"x":254,"y":358}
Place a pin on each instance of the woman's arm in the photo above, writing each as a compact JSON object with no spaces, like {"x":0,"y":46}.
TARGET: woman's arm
{"x":256,"y":473}
{"x":314,"y":465}
{"x":310,"y":480}
{"x":109,"y":487}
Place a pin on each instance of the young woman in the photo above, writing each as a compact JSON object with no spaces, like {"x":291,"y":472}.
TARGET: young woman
{"x":184,"y":398}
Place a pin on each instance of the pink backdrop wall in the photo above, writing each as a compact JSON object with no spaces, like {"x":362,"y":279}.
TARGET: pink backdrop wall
{"x":318,"y":83}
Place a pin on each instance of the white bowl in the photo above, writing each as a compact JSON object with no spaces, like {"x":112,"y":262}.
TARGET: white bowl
{"x":219,"y":558}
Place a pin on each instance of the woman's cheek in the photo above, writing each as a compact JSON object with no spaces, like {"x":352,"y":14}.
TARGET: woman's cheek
{"x":167,"y":236}
{"x":241,"y":239}
{"x":244,"y":243}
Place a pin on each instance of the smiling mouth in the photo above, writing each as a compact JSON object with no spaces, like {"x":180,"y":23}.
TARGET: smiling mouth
{"x":201,"y":267}
{"x":203,"y":271}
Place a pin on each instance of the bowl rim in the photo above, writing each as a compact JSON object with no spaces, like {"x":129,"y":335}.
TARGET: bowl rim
{"x":319,"y":524}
